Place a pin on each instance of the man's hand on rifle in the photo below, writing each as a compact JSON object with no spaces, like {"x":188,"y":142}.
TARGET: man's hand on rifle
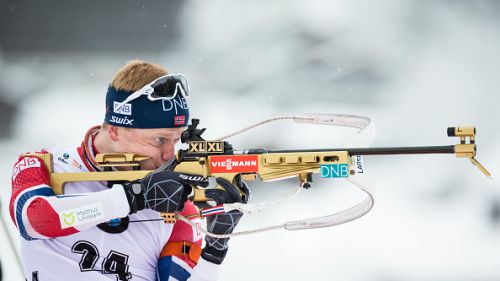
{"x":216,"y":248}
{"x":164,"y":191}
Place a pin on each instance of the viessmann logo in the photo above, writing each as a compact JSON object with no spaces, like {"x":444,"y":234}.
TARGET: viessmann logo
{"x":234,"y":164}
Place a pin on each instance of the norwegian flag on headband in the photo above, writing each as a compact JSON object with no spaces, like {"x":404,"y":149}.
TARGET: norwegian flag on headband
{"x":179,"y":120}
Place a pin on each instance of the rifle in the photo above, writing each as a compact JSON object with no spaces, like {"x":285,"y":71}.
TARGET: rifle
{"x":219,"y":159}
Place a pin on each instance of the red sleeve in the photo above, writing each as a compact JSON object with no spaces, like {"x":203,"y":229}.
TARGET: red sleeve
{"x":30,"y":212}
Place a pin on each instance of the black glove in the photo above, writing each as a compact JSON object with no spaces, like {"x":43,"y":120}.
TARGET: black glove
{"x":164,"y":191}
{"x":216,"y":248}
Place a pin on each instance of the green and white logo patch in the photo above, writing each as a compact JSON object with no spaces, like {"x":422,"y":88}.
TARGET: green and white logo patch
{"x":81,"y":215}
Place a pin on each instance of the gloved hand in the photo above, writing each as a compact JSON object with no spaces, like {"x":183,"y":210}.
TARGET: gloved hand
{"x":216,"y":248}
{"x":164,"y":191}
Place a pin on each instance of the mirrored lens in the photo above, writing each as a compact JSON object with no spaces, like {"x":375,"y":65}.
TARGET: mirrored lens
{"x":166,"y":87}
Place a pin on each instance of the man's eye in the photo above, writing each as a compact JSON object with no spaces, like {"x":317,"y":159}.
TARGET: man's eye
{"x":159,"y":140}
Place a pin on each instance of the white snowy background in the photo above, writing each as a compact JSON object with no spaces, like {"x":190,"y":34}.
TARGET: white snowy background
{"x":414,"y":67}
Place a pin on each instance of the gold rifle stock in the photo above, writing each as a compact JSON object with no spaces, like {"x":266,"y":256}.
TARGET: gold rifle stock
{"x":270,"y":166}
{"x":58,"y":180}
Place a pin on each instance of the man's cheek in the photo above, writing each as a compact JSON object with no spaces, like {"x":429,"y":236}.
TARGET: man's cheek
{"x":147,"y":165}
{"x":142,"y":151}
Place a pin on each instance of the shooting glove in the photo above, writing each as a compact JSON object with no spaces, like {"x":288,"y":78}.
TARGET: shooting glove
{"x":216,"y":248}
{"x":164,"y":191}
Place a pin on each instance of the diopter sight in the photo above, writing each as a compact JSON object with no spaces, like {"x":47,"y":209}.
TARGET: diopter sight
{"x":192,"y":133}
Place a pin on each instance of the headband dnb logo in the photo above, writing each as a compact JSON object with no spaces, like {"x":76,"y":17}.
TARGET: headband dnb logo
{"x":125,"y":109}
{"x":177,"y":103}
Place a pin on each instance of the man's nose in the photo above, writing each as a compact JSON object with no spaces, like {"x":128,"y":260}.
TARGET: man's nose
{"x":167,"y":151}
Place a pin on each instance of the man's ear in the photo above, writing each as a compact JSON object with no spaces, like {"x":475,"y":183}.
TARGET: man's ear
{"x":113,"y":132}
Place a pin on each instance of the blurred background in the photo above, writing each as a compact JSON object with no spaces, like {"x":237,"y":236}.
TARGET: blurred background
{"x":414,"y":67}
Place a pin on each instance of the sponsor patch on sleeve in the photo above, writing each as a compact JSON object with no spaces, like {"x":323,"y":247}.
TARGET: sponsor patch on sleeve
{"x":25,"y":163}
{"x":81,"y":215}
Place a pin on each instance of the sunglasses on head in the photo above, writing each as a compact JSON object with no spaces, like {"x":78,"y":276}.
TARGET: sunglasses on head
{"x":163,"y":88}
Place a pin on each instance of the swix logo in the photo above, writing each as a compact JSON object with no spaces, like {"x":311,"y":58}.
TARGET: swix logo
{"x":179,"y":120}
{"x":192,"y":177}
{"x":119,"y":120}
{"x":234,"y":164}
{"x":25,"y":163}
{"x":125,"y":109}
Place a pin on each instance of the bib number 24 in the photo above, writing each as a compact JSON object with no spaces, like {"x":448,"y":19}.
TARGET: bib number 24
{"x":114,"y":263}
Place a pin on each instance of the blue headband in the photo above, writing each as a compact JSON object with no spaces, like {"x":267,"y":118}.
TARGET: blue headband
{"x":143,"y":113}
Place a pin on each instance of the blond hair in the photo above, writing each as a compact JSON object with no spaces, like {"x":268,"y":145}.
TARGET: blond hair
{"x":135,"y":74}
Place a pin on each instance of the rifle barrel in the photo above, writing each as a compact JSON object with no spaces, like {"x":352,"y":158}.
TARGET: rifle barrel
{"x":448,"y":149}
